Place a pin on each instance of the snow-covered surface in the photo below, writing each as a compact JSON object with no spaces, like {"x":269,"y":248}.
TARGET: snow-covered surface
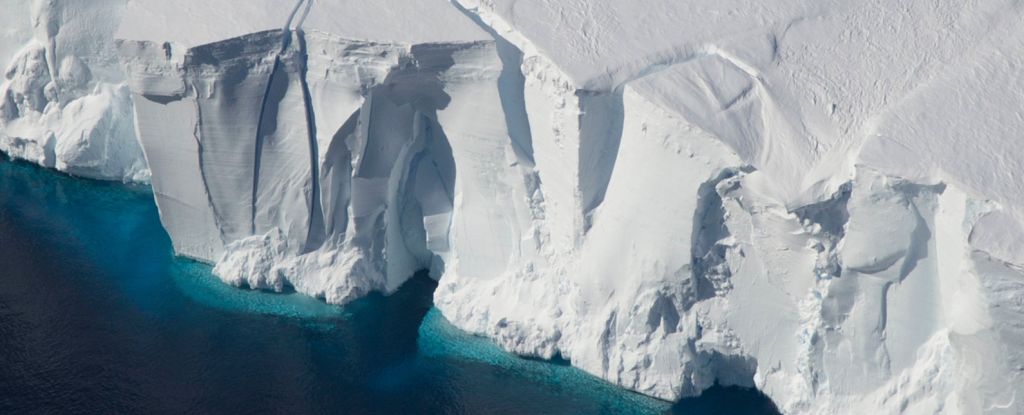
{"x":822,"y":199}
{"x":203,"y":21}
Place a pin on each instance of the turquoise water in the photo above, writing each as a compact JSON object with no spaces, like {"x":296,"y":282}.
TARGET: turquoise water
{"x":98,"y":316}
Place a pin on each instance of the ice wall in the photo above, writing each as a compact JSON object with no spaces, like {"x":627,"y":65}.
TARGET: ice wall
{"x":818,"y":198}
{"x":316,"y":158}
{"x":800,"y":199}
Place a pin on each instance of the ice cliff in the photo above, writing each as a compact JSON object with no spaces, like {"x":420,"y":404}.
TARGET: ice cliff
{"x":822,"y":199}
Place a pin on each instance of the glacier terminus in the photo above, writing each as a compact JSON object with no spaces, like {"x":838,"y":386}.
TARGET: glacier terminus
{"x":822,"y":199}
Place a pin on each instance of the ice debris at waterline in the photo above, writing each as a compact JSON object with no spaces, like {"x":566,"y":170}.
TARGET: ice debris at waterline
{"x":821,"y":199}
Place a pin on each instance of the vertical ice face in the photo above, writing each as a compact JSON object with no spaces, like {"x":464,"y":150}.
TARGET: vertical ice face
{"x":830,"y":225}
{"x":819,"y":199}
{"x":324,"y":162}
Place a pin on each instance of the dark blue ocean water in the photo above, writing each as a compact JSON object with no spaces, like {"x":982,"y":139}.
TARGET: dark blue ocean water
{"x":97,"y":316}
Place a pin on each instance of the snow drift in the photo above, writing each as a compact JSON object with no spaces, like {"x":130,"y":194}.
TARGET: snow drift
{"x":819,"y":199}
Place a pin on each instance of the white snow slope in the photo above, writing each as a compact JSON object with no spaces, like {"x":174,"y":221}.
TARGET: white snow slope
{"x":820,"y":198}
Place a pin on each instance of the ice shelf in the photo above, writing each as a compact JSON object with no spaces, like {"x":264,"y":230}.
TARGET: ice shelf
{"x":820,"y":199}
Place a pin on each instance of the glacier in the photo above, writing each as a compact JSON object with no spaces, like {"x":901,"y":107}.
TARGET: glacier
{"x":820,"y":199}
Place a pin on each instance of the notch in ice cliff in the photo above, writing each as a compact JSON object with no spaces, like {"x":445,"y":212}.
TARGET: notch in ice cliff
{"x":819,"y":199}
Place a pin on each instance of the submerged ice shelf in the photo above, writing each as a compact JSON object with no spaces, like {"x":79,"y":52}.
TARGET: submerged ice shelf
{"x":819,"y":199}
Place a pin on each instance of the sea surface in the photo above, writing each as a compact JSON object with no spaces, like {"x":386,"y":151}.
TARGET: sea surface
{"x":97,"y":316}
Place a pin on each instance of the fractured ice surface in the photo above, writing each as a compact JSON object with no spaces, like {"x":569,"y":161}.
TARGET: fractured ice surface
{"x":62,"y":100}
{"x":822,"y":199}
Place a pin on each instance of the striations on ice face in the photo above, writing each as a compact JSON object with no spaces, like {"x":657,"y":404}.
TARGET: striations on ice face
{"x":320,"y":154}
{"x":822,"y":199}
